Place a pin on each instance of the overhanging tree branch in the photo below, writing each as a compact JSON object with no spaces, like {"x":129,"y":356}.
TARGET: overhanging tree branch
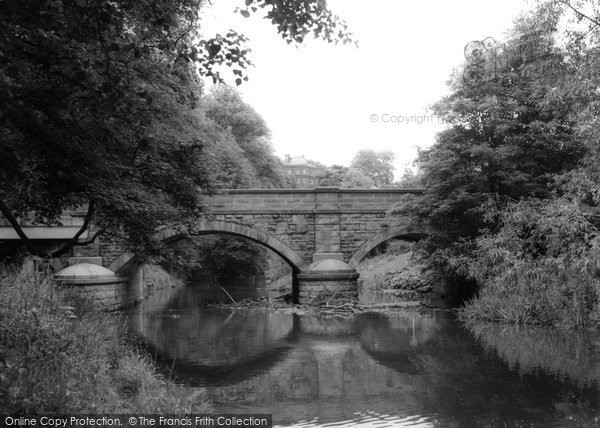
{"x":91,"y":240}
{"x":578,"y":12}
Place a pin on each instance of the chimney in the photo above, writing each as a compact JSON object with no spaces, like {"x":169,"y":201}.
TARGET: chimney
{"x":288,"y":158}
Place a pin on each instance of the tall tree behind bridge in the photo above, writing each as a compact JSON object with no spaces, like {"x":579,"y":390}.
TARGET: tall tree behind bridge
{"x":378,"y":166}
{"x":259,"y":167}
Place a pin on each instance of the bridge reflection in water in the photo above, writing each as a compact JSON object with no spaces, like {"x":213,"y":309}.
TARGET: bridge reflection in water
{"x":390,"y":369}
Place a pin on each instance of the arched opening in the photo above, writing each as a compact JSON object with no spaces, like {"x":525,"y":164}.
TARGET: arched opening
{"x":383,"y":236}
{"x":206,"y":227}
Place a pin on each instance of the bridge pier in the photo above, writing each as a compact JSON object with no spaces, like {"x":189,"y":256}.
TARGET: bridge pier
{"x":328,"y":279}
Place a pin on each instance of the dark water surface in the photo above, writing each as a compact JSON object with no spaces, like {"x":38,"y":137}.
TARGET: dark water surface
{"x":373,"y":370}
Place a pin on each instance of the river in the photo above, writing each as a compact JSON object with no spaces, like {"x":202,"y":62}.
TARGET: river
{"x":395,"y":369}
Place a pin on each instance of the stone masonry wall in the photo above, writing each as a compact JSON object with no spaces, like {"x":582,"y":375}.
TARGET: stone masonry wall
{"x":323,"y":220}
{"x":325,"y":198}
{"x":109,"y":297}
{"x":296,"y":230}
{"x":358,"y":228}
{"x":108,"y":250}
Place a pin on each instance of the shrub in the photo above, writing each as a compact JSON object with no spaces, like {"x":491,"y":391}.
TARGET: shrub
{"x":56,"y":355}
{"x":540,"y":267}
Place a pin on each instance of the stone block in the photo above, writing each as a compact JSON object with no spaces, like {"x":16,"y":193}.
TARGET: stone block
{"x":324,"y":256}
{"x":82,"y":259}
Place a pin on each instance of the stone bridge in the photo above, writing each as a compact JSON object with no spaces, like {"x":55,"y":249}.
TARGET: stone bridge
{"x":303,"y":226}
{"x":307,"y":225}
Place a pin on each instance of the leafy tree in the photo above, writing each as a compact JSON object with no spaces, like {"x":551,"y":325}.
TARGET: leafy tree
{"x":508,"y":136}
{"x":539,"y":265}
{"x":297,"y":19}
{"x":332,"y":176}
{"x":356,"y":177}
{"x":375,"y":165}
{"x":409,"y":179}
{"x":98,"y":110}
{"x":225,"y":107}
{"x":368,"y":169}
{"x":100,"y":107}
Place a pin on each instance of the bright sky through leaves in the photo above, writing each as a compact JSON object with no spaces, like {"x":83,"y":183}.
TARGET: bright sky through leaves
{"x":318,"y":99}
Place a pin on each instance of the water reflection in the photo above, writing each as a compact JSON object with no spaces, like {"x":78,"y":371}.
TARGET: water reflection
{"x":570,"y":356}
{"x":395,"y":369}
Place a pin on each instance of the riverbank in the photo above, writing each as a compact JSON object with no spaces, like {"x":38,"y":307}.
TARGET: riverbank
{"x":398,"y":273}
{"x":56,"y":355}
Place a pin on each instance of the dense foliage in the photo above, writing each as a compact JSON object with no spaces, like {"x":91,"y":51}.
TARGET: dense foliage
{"x":505,"y":137}
{"x":100,"y":106}
{"x":58,"y":356}
{"x":297,"y":19}
{"x":249,"y":162}
{"x":540,"y":267}
{"x":511,"y":185}
{"x":368,"y":168}
{"x":375,"y":166}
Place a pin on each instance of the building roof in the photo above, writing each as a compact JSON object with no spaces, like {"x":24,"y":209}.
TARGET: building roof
{"x":297,"y":161}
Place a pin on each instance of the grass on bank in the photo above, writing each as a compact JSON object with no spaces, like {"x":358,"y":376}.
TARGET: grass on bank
{"x":56,"y":355}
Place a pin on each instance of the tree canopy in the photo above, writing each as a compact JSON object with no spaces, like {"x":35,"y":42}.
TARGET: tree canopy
{"x":367,"y":169}
{"x":100,"y":106}
{"x":258,"y":167}
{"x":376,"y":166}
{"x":511,"y":187}
{"x":507,"y":136}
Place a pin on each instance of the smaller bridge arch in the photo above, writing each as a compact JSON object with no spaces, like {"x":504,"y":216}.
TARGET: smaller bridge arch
{"x":384,"y":235}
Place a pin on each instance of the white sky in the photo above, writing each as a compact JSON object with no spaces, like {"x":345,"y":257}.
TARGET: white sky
{"x":318,"y":99}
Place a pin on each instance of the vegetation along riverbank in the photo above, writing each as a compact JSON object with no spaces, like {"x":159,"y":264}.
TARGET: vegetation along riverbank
{"x":512,"y":184}
{"x":58,"y":356}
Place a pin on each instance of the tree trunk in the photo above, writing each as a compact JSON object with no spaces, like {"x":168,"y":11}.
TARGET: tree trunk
{"x":84,"y":227}
{"x":17,"y":227}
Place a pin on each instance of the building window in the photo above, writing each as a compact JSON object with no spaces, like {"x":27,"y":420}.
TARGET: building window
{"x":289,"y":172}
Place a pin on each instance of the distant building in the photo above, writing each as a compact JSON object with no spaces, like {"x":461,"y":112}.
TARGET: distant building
{"x":302,"y":172}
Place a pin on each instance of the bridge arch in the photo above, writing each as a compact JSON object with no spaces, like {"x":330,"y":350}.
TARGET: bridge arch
{"x":207,"y":227}
{"x":384,"y":235}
